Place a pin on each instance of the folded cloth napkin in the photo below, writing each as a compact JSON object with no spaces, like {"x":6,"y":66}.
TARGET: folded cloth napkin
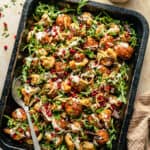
{"x":138,"y":137}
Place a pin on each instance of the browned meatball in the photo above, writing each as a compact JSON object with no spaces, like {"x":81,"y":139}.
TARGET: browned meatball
{"x":105,"y":116}
{"x":19,"y":114}
{"x":73,"y":108}
{"x":124,"y":50}
{"x":63,"y":20}
{"x":91,"y":43}
{"x":102,"y":136}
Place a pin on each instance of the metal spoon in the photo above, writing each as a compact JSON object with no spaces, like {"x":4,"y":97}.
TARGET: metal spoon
{"x":15,"y":85}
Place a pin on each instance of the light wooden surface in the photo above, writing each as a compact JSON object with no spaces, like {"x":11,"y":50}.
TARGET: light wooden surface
{"x":12,"y":16}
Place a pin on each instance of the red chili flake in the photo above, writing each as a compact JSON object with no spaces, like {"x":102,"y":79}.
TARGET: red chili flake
{"x":119,"y":104}
{"x":81,"y":25}
{"x":5,"y":47}
{"x":94,"y":93}
{"x":102,"y":104}
{"x":107,"y":88}
{"x":73,"y":94}
{"x":0,"y":14}
{"x":70,"y":36}
{"x":53,"y":71}
{"x":113,"y":106}
{"x":54,"y":79}
{"x":57,"y":129}
{"x":14,"y":36}
{"x":37,"y":99}
{"x":59,"y":85}
{"x":63,"y":104}
{"x":65,"y":73}
{"x":100,"y":98}
{"x":69,"y":82}
{"x":72,"y":51}
{"x":5,"y":26}
{"x":53,"y":134}
{"x":28,"y":81}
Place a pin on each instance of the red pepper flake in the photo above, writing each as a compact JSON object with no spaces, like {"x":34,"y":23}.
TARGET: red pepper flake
{"x":72,"y":51}
{"x":57,"y":129}
{"x":81,"y":25}
{"x":14,"y":36}
{"x":5,"y":26}
{"x":100,"y":98}
{"x":0,"y":14}
{"x":5,"y":47}
{"x":107,"y":88}
{"x":94,"y":93}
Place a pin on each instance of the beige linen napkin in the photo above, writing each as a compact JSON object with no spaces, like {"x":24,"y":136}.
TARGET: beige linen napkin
{"x":139,"y":129}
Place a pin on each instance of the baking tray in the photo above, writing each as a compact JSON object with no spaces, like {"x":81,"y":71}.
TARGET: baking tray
{"x":142,"y":29}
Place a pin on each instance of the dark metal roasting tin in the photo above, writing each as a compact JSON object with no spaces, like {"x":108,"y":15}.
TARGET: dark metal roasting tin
{"x":139,"y":24}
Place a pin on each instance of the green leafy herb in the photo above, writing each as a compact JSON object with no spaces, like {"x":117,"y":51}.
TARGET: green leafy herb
{"x":89,"y":53}
{"x":112,"y":135}
{"x":81,"y":4}
{"x":133,"y":39}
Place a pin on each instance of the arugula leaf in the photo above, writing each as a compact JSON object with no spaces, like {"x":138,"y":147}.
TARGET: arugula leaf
{"x":112,"y":135}
{"x":133,"y":39}
{"x":89,"y":53}
{"x":81,"y":4}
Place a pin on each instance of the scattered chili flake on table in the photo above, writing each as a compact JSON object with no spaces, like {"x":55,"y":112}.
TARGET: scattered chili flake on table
{"x":5,"y":26}
{"x":5,"y":47}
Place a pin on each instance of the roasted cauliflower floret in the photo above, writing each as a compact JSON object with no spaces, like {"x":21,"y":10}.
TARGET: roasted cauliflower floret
{"x":63,"y":20}
{"x":19,"y":114}
{"x":47,"y":62}
{"x":105,"y":116}
{"x":86,"y":145}
{"x":102,"y":137}
{"x":52,"y":137}
{"x":65,"y":86}
{"x":124,"y":50}
{"x":85,"y":102}
{"x":75,"y":64}
{"x":45,"y":20}
{"x":15,"y":133}
{"x":60,"y":67}
{"x":28,"y":92}
{"x":106,"y":42}
{"x":87,"y":18}
{"x":35,"y":79}
{"x":75,"y":127}
{"x":69,"y":142}
{"x":75,"y":28}
{"x":113,"y":30}
{"x":107,"y":61}
{"x":100,"y":30}
{"x":41,"y":52}
{"x":73,"y":108}
{"x":90,"y":43}
{"x":125,"y":36}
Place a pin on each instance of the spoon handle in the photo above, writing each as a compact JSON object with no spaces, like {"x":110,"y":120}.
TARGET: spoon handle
{"x":34,"y":137}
